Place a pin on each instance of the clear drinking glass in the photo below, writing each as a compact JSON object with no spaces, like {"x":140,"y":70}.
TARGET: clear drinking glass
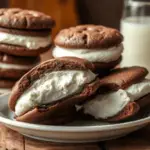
{"x":135,"y":26}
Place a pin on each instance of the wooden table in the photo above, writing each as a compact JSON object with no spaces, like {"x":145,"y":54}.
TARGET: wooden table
{"x":11,"y":140}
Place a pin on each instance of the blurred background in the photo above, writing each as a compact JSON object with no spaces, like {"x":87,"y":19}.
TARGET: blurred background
{"x":72,"y":12}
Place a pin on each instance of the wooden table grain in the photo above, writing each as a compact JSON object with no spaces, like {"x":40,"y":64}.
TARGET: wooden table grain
{"x":11,"y":140}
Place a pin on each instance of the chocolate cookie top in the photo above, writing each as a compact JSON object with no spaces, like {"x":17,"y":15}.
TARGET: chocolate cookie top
{"x":63,"y":63}
{"x":88,"y":36}
{"x":122,"y":78}
{"x":24,"y":19}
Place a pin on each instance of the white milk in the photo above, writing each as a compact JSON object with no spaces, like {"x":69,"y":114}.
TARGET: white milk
{"x":136,"y":42}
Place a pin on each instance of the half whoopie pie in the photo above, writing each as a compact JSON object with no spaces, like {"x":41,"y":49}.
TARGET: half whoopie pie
{"x":121,"y":95}
{"x":51,"y":88}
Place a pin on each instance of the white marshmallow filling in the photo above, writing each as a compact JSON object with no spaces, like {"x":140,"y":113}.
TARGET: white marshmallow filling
{"x":16,"y":66}
{"x":30,"y":42}
{"x":5,"y":90}
{"x":52,"y":87}
{"x":108,"y":105}
{"x":92,"y":55}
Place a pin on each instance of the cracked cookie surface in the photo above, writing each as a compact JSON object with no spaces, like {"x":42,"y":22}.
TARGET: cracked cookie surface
{"x":88,"y":36}
{"x":24,"y":19}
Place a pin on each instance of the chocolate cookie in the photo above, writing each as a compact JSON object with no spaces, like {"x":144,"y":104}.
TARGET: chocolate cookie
{"x":24,"y":19}
{"x":122,"y":78}
{"x":98,"y":44}
{"x":122,"y":94}
{"x":88,"y":36}
{"x":57,"y":118}
{"x":41,"y":33}
{"x":25,"y":32}
{"x":61,"y":83}
{"x":22,"y":51}
{"x":103,"y":69}
{"x":6,"y":85}
{"x":129,"y":111}
{"x":14,"y":67}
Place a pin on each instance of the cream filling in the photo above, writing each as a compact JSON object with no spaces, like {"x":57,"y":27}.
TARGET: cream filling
{"x":92,"y":55}
{"x":16,"y":66}
{"x":30,"y":42}
{"x":51,"y":87}
{"x":139,"y":90}
{"x":4,"y":90}
{"x":108,"y":105}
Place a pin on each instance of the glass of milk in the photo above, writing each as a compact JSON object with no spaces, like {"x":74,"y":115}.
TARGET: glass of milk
{"x":135,"y":27}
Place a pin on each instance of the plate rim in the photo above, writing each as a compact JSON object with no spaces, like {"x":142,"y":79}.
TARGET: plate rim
{"x":60,"y":128}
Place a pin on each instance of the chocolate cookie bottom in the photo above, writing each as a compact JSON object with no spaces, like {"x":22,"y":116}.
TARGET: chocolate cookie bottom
{"x":22,"y":51}
{"x":7,"y":83}
{"x":12,"y":73}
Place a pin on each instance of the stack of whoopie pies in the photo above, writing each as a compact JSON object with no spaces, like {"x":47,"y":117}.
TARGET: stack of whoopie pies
{"x":24,"y":35}
{"x":81,"y":81}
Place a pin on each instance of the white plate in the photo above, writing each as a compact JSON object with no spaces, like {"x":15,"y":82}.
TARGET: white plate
{"x":78,"y":132}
